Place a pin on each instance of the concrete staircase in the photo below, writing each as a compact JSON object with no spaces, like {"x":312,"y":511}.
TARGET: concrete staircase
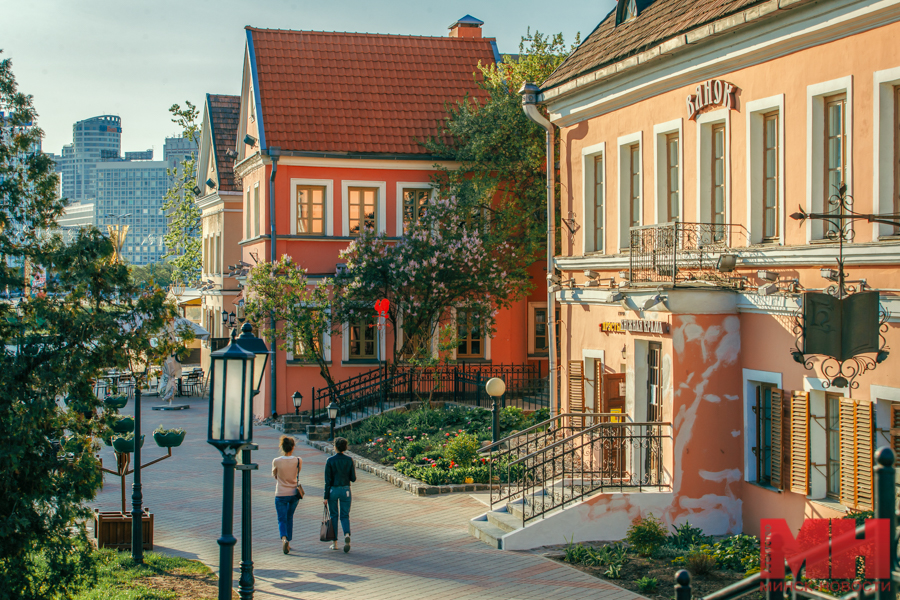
{"x":494,"y":525}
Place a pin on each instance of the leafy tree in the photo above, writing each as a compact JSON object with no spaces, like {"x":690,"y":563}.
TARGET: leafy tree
{"x":500,"y":150}
{"x":161,"y":274}
{"x":182,"y":238}
{"x":300,"y":309}
{"x":52,"y":345}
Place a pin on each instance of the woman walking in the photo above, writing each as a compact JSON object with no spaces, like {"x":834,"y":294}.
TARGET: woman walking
{"x":339,"y":472}
{"x":286,"y":471}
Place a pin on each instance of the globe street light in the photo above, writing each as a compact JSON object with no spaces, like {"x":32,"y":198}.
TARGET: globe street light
{"x":230,"y":428}
{"x":495,"y":388}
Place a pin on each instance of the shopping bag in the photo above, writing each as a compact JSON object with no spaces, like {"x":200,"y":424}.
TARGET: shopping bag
{"x":327,"y":533}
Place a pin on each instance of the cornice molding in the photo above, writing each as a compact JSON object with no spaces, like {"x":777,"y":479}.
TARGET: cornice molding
{"x":248,"y":165}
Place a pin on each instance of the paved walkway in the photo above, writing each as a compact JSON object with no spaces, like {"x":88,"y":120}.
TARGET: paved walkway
{"x":403,"y":546}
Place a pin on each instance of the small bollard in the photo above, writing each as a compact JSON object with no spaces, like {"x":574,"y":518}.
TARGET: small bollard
{"x":682,"y":585}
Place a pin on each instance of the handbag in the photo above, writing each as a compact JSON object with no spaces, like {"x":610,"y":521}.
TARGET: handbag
{"x":327,"y":533}
{"x":300,"y":493}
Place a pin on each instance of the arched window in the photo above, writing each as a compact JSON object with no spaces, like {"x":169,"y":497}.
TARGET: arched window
{"x":626,"y":11}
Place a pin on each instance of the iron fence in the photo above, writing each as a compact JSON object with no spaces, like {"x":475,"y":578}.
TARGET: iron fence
{"x":673,"y":252}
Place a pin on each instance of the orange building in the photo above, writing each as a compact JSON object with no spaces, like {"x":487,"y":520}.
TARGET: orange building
{"x":328,"y":143}
{"x":690,"y":132}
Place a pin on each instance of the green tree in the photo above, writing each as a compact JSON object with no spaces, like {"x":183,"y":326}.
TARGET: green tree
{"x":501,"y":151}
{"x":182,"y":238}
{"x":160,"y":274}
{"x":54,"y":345}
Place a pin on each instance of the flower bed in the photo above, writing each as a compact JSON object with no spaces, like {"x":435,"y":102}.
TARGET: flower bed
{"x":436,"y":446}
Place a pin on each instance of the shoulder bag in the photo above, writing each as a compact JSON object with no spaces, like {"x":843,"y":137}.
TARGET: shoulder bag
{"x":327,"y":533}
{"x":300,"y":492}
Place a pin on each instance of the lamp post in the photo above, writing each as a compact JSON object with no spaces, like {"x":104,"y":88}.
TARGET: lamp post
{"x":250,"y":343}
{"x":332,"y":409}
{"x":137,"y":495}
{"x":495,"y":388}
{"x":297,"y":399}
{"x":230,"y":428}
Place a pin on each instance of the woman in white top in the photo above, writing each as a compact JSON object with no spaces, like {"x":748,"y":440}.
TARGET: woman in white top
{"x":286,"y":471}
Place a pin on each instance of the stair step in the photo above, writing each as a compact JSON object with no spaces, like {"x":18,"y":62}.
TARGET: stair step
{"x":487,"y":533}
{"x":504,"y":520}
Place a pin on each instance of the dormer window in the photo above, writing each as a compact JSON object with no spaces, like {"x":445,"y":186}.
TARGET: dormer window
{"x":626,"y":11}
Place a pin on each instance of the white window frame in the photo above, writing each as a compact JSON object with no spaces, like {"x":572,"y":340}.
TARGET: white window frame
{"x":326,"y":343}
{"x":328,"y":184}
{"x":815,"y":141}
{"x":401,"y":335}
{"x":661,"y":172}
{"x":486,"y":339}
{"x":705,"y":123}
{"x":752,"y":378}
{"x":818,"y":442}
{"x":755,"y":110}
{"x":883,"y":146}
{"x":380,"y":345}
{"x":398,"y":203}
{"x":381,"y":216}
{"x":588,"y":154}
{"x":532,"y":349}
{"x":589,"y":357}
{"x":624,"y":144}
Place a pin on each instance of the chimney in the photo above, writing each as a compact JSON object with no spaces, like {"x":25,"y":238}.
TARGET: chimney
{"x":467,"y":27}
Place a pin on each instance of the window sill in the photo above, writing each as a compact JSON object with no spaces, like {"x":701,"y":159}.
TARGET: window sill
{"x":305,"y":363}
{"x":473,"y":360}
{"x":764,"y":486}
{"x":539,"y":356}
{"x":889,"y":238}
{"x":822,"y":242}
{"x":830,"y":503}
{"x":360,"y":363}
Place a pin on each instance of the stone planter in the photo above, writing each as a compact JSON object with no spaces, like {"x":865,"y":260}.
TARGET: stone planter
{"x":123,"y":425}
{"x":115,"y":402}
{"x":123,"y":445}
{"x":170,"y":439}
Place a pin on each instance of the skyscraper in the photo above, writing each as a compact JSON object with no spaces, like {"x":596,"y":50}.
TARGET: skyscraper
{"x":93,"y":140}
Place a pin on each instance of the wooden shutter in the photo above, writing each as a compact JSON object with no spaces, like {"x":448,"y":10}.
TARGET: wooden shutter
{"x":856,"y":453}
{"x":777,"y":454}
{"x":576,"y":390}
{"x":799,"y":469}
{"x":895,"y":428}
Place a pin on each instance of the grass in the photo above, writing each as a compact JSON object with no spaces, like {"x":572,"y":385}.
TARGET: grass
{"x":159,"y":578}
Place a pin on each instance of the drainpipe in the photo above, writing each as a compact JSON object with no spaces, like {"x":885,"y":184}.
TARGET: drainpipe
{"x":274,"y":152}
{"x":529,"y":93}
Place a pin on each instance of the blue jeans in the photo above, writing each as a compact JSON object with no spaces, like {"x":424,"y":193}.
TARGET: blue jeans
{"x":285,"y":507}
{"x":340,"y":495}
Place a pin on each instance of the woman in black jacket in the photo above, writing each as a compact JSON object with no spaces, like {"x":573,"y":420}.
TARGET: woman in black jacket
{"x":339,"y":472}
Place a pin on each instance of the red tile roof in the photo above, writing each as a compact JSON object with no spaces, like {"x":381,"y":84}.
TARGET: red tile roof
{"x":360,"y":92}
{"x":224,"y":118}
{"x":657,"y":22}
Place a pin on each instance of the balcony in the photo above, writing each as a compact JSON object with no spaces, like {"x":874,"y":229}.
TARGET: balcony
{"x":682,"y":252}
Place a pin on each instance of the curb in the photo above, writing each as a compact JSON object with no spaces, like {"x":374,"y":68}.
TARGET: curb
{"x":407,"y":484}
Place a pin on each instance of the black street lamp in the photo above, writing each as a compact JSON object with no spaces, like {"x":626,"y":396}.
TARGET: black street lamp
{"x":250,"y":343}
{"x":332,"y":409}
{"x":224,"y":317}
{"x":230,"y":428}
{"x":297,"y":399}
{"x":495,"y":388}
{"x":137,"y":496}
{"x":231,"y":319}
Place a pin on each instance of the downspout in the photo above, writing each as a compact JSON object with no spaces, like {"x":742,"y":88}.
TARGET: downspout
{"x":274,"y":152}
{"x":529,"y":92}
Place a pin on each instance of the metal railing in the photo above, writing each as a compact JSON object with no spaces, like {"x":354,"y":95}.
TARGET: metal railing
{"x":779,"y":588}
{"x":673,"y":252}
{"x":575,"y":455}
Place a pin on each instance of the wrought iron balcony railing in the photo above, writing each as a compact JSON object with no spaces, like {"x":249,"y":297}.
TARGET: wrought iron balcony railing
{"x":678,"y":252}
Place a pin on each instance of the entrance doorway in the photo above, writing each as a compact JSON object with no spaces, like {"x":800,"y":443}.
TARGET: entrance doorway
{"x":653,"y":459}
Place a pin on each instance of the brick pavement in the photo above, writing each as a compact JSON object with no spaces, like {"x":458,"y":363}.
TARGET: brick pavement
{"x":403,"y":546}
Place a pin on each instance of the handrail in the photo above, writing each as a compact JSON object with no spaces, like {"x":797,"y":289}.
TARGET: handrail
{"x":737,"y":589}
{"x":588,"y":430}
{"x":485,"y":449}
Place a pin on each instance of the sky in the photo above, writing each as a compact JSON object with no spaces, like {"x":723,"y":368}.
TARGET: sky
{"x":134,"y":59}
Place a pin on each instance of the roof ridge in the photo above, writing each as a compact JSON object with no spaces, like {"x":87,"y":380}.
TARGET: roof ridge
{"x":370,"y":34}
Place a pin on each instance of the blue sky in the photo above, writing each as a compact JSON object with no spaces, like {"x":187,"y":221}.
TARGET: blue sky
{"x":82,"y":58}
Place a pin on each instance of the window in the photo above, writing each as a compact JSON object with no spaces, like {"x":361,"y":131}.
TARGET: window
{"x":598,"y":202}
{"x":256,"y":219}
{"x":362,"y":205}
{"x":833,"y":445}
{"x":634,"y":189}
{"x":895,"y":204}
{"x":835,"y":152}
{"x":673,"y":192}
{"x":626,"y":10}
{"x":770,"y":183}
{"x":717,"y":180}
{"x":469,"y":333}
{"x":541,"y":334}
{"x":310,"y":210}
{"x":414,"y":201}
{"x":762,"y":448}
{"x":363,"y":338}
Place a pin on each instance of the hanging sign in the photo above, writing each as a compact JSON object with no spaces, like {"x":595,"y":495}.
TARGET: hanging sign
{"x":714,"y":92}
{"x":634,"y":325}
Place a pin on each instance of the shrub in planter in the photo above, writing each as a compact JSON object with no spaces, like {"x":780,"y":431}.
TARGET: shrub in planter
{"x":125,"y":443}
{"x":647,"y":585}
{"x":462,"y":449}
{"x":123,"y":425}
{"x":414,"y":449}
{"x":511,"y":418}
{"x":115,"y":402}
{"x":700,"y":562}
{"x":168,"y":438}
{"x":686,"y":536}
{"x":646,"y":534}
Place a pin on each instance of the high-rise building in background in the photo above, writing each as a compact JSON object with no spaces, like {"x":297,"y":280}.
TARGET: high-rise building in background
{"x":93,"y":140}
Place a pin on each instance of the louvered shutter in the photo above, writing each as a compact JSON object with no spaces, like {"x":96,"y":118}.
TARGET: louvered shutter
{"x":777,"y":455}
{"x":799,"y":470}
{"x":856,"y":453}
{"x":576,"y":390}
{"x":895,"y":428}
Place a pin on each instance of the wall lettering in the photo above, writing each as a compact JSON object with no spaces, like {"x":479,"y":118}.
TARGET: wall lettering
{"x":714,"y":92}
